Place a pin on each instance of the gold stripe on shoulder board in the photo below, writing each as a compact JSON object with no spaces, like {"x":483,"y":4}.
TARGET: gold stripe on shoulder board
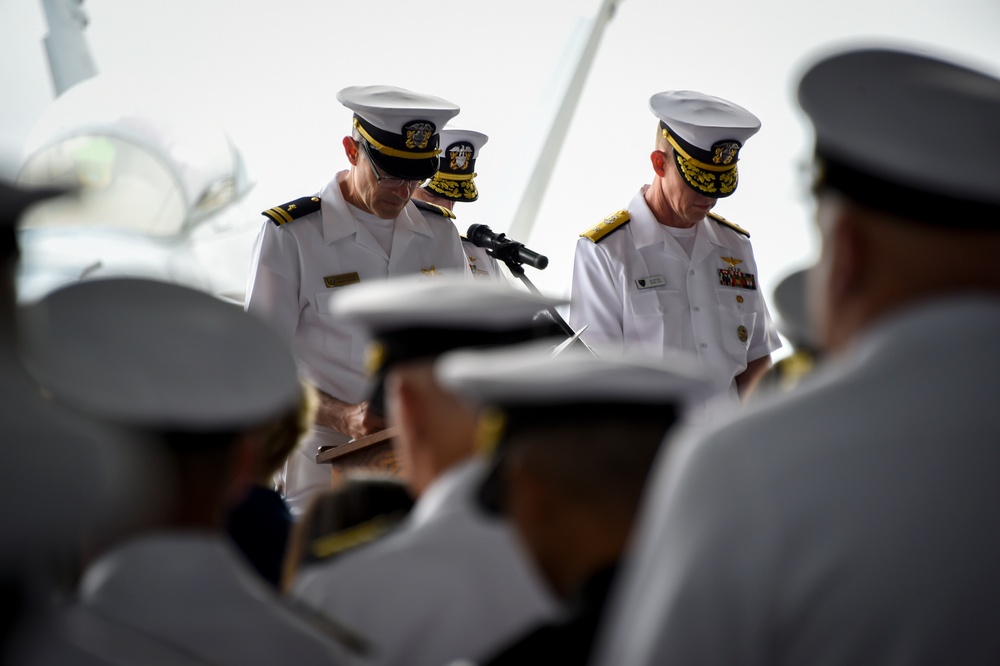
{"x":277,"y":215}
{"x":735,"y":227}
{"x":293,"y":210}
{"x":433,"y":208}
{"x":607,"y":225}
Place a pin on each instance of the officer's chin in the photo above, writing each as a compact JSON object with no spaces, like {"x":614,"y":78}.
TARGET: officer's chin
{"x":389,"y":210}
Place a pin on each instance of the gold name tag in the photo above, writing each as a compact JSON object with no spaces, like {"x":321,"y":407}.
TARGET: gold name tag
{"x":341,"y":280}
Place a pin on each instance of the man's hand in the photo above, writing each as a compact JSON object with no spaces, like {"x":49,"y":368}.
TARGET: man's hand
{"x":355,"y":420}
{"x":747,"y":380}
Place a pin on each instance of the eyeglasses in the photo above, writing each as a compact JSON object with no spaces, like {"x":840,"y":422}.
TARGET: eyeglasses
{"x":391,"y":182}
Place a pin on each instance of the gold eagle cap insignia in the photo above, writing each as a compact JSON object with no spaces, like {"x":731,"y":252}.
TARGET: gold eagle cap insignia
{"x":725,"y":152}
{"x":460,"y":156}
{"x":418,"y":135}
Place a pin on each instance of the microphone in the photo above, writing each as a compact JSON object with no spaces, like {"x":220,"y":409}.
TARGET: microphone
{"x":503,"y":248}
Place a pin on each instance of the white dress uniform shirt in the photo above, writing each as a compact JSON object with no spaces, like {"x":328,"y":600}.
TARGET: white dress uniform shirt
{"x":850,"y":522}
{"x":637,"y":290}
{"x":192,"y":593}
{"x":296,"y":272}
{"x":451,"y":583}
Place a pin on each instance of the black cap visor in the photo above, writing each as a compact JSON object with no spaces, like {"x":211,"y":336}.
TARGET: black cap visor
{"x":402,"y":167}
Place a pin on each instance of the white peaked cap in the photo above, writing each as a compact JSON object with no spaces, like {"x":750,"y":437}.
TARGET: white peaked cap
{"x":706,"y":134}
{"x":531,"y":374}
{"x":391,"y":108}
{"x":158,"y":355}
{"x":445,"y":301}
{"x":451,"y":136}
{"x":907,"y":133}
{"x":703,"y":120}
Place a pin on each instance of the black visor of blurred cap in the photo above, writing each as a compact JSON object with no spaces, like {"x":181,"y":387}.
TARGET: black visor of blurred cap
{"x":389,"y":348}
{"x":14,"y":200}
{"x":412,"y":155}
{"x":907,"y":134}
{"x":914,"y":203}
{"x":526,"y":417}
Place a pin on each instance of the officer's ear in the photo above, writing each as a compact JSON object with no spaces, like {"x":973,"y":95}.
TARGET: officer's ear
{"x":351,"y":150}
{"x":659,"y":160}
{"x":852,"y":253}
{"x":840,"y":284}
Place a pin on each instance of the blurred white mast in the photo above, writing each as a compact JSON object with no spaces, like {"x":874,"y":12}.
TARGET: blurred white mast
{"x":69,"y":55}
{"x":552,"y":130}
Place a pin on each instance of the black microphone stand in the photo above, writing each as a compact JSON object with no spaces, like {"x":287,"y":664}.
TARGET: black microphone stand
{"x":506,"y":251}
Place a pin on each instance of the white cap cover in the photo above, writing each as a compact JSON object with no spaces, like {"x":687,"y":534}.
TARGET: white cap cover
{"x":446,"y":301}
{"x":530,"y":374}
{"x":159,"y":356}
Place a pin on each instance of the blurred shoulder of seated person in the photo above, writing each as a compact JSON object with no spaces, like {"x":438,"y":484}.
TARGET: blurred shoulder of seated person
{"x":171,"y":582}
{"x":359,"y":510}
{"x":260,"y":524}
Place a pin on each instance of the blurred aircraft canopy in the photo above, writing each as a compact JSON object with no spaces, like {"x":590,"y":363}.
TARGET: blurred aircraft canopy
{"x":158,"y":186}
{"x":145,"y":161}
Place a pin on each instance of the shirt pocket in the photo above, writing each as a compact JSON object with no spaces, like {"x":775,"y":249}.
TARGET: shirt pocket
{"x":342,"y":342}
{"x":645,"y":304}
{"x":655,"y":328}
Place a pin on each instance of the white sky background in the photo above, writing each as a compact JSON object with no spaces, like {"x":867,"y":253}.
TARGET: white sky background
{"x":270,"y":70}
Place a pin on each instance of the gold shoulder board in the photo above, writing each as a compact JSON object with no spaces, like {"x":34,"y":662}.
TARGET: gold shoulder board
{"x":607,"y":225}
{"x":351,"y":537}
{"x":433,"y":208}
{"x":292,"y":210}
{"x":735,"y":227}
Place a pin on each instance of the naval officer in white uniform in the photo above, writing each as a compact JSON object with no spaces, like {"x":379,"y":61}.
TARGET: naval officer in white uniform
{"x":577,"y":435}
{"x":360,"y":227}
{"x":451,"y":582}
{"x":667,"y":272}
{"x":853,"y":520}
{"x":204,"y":382}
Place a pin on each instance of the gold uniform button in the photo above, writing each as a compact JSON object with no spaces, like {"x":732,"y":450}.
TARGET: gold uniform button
{"x":741,"y":333}
{"x":739,"y":299}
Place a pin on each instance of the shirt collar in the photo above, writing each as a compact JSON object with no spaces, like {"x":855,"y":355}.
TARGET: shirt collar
{"x":339,"y":222}
{"x":646,"y":229}
{"x":453,"y":487}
